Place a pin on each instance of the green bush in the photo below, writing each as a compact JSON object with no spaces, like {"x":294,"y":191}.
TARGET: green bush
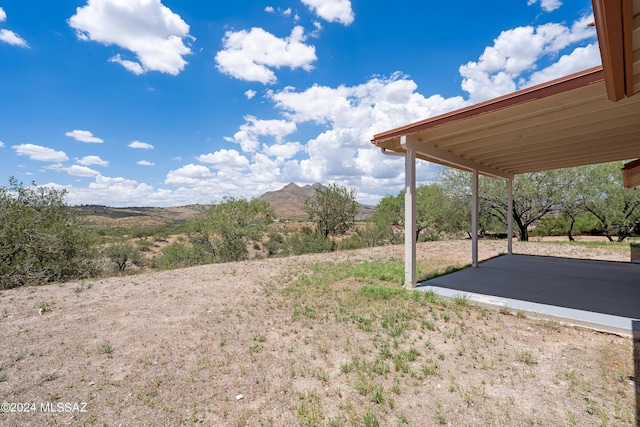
{"x":180,"y":254}
{"x":224,"y":230}
{"x":352,"y":242}
{"x":275,"y":244}
{"x":123,"y":255}
{"x":41,"y":239}
{"x":144,"y":245}
{"x":302,"y":243}
{"x":377,"y":233}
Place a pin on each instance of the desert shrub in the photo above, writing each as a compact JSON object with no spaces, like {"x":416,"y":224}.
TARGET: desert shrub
{"x":41,"y":239}
{"x":275,"y":243}
{"x":377,"y":233}
{"x":144,"y":245}
{"x":352,"y":242}
{"x":300,"y":243}
{"x":225,"y":229}
{"x":429,"y":236}
{"x":181,"y":254}
{"x":123,"y":255}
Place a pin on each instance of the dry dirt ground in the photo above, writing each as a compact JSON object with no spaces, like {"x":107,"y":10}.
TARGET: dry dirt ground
{"x":293,"y":341}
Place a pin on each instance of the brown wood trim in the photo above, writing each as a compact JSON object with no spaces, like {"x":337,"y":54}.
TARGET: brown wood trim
{"x":628,"y":171}
{"x":631,"y":165}
{"x":608,"y":16}
{"x":627,"y":34}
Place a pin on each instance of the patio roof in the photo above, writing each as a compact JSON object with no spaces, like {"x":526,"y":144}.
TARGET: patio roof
{"x":567,"y":122}
{"x":563,"y":123}
{"x":585,"y":118}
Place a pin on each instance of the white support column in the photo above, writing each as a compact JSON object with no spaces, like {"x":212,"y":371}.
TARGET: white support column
{"x":409,"y":217}
{"x":474,"y":219}
{"x":509,"y":216}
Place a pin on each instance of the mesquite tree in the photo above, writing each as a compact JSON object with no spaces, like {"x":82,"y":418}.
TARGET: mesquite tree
{"x":41,"y":239}
{"x":333,"y":209}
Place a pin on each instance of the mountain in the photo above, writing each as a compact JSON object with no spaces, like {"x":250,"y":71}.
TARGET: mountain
{"x":287,"y":202}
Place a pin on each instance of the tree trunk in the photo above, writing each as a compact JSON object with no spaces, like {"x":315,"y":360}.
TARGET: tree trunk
{"x":524,"y":233}
{"x":569,"y":235}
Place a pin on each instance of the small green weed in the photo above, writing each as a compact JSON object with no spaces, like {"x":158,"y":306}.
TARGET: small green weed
{"x":527,"y":357}
{"x":49,"y":376}
{"x":105,"y":348}
{"x":346,"y":367}
{"x":460,"y":301}
{"x":309,"y":409}
{"x":370,"y":419}
{"x":44,"y":306}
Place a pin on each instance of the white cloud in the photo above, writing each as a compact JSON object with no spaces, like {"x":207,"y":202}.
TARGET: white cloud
{"x":76,"y":170}
{"x":251,"y":55}
{"x":342,"y":152}
{"x":516,"y":52}
{"x":9,"y":36}
{"x":316,"y":32}
{"x":380,"y":103}
{"x":547,"y":5}
{"x":283,"y":151}
{"x":84,"y":136}
{"x":147,"y":28}
{"x":580,"y":59}
{"x":1,"y":144}
{"x":250,"y":93}
{"x":189,"y":175}
{"x":40,"y":153}
{"x":12,"y":38}
{"x":284,"y":12}
{"x":116,"y":191}
{"x":133,"y":66}
{"x":332,"y":10}
{"x":92,"y":160}
{"x":249,"y":134}
{"x":141,"y":145}
{"x":145,"y":163}
{"x":225,"y":159}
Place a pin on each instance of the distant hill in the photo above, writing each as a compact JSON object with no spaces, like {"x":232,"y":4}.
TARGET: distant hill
{"x":136,"y":216}
{"x":287,"y":202}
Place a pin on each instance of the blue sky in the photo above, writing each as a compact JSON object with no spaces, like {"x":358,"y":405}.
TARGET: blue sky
{"x":165,"y":103}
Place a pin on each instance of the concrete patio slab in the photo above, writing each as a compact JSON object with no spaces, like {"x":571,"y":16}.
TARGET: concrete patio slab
{"x":600,"y":294}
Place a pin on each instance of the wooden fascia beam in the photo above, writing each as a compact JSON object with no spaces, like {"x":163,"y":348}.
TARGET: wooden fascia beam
{"x":608,"y":16}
